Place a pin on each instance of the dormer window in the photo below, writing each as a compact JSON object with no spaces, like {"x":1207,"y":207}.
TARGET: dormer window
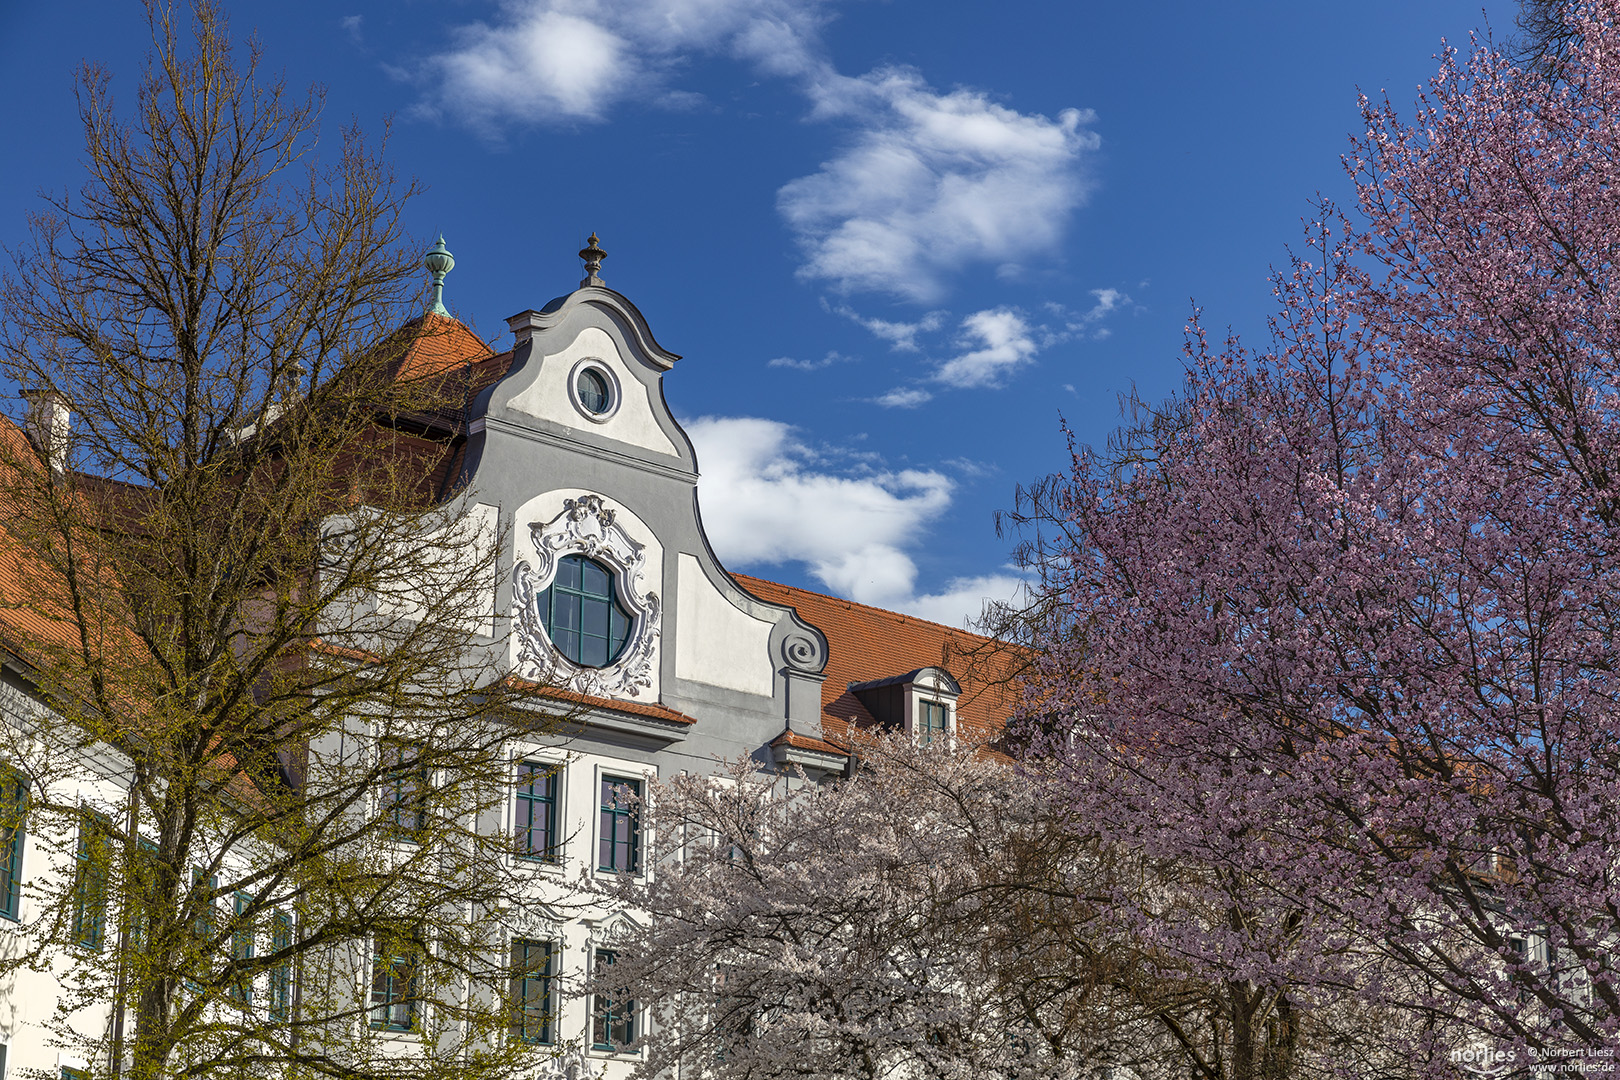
{"x":921,"y":703}
{"x":582,"y":613}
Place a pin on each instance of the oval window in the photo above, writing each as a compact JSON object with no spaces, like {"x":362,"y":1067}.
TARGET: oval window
{"x":581,"y":611}
{"x":592,"y":388}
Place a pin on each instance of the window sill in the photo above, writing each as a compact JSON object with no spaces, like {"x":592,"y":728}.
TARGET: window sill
{"x":615,"y":1052}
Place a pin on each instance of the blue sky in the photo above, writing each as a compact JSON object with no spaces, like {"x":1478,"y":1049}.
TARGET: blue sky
{"x":895,"y":241}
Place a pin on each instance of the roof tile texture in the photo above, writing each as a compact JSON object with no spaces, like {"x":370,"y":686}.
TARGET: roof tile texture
{"x":866,"y":643}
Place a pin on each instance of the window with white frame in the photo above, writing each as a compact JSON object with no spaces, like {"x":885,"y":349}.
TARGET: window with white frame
{"x":533,"y":972}
{"x":13,"y":807}
{"x":241,"y":988}
{"x":404,"y":784}
{"x":396,"y":963}
{"x":538,"y":788}
{"x":619,"y":825}
{"x":280,"y":987}
{"x":613,"y":1008}
{"x":932,"y":721}
{"x":92,"y":868}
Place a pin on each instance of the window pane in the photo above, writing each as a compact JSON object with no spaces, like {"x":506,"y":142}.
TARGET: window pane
{"x":13,"y":803}
{"x":536,"y":810}
{"x":596,"y":578}
{"x":613,"y":1011}
{"x":595,"y":618}
{"x":93,"y":859}
{"x":618,"y":631}
{"x":568,"y":571}
{"x":619,"y":827}
{"x":582,"y":613}
{"x":593,"y":391}
{"x":567,"y":643}
{"x":566,"y":613}
{"x":531,"y":990}
{"x":241,"y":989}
{"x":393,"y":990}
{"x":281,"y":974}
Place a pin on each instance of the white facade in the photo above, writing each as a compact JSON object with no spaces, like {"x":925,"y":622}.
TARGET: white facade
{"x":572,"y":458}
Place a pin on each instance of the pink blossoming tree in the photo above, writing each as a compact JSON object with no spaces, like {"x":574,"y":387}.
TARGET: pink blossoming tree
{"x":930,"y":917}
{"x":1341,"y":623}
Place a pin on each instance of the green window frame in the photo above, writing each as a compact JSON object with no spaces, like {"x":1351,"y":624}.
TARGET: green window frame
{"x":537,"y":810}
{"x":613,"y":1012}
{"x":241,"y":988}
{"x":533,"y":971}
{"x":404,"y":795}
{"x":935,"y":715}
{"x":13,"y":838}
{"x":141,"y":879}
{"x":91,"y":873}
{"x":619,"y":839}
{"x":582,"y":614}
{"x":203,"y":887}
{"x":395,"y":967}
{"x":280,"y":982}
{"x":69,"y":1073}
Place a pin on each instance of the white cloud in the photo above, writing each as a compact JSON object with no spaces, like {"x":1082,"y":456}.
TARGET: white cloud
{"x":904,"y":397}
{"x":1107,"y":300}
{"x":927,"y":182}
{"x":831,"y":358}
{"x":963,"y":599}
{"x":930,"y":183}
{"x":901,"y":336}
{"x":767,"y":500}
{"x":546,"y":62}
{"x":1005,"y":342}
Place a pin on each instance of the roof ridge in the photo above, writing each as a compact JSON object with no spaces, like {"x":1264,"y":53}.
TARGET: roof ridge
{"x":853,"y":604}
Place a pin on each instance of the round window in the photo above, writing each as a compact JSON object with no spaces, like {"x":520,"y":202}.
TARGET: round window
{"x":581,"y":611}
{"x":592,"y":388}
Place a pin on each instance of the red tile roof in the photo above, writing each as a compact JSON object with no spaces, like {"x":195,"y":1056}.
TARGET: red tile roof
{"x":633,"y":708}
{"x":37,"y":618}
{"x":438,"y":345}
{"x":866,"y":643}
{"x":797,"y":741}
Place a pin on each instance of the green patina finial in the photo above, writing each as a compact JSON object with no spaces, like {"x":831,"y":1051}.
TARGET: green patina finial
{"x":439,"y":262}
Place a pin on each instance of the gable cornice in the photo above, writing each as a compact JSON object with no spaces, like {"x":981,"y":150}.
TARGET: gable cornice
{"x":524,"y":324}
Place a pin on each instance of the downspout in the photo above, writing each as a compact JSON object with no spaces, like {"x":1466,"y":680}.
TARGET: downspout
{"x":132,"y":844}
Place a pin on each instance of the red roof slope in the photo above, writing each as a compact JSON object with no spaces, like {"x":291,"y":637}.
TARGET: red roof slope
{"x":438,"y":345}
{"x":866,"y":643}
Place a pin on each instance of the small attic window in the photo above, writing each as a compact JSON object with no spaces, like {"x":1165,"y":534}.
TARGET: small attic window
{"x":933,"y":719}
{"x":594,"y":390}
{"x":921,"y":702}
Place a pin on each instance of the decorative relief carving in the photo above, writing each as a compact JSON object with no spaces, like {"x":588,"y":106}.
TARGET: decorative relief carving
{"x":803,"y":652}
{"x":587,"y":527}
{"x":572,"y":1065}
